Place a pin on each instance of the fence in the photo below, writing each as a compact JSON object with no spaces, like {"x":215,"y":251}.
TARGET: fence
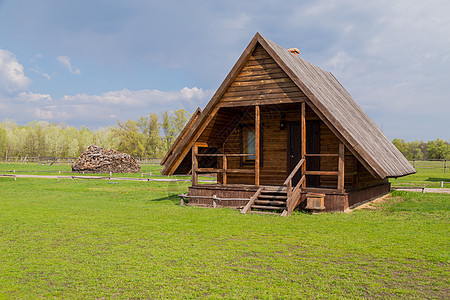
{"x":430,"y":164}
{"x":48,"y":160}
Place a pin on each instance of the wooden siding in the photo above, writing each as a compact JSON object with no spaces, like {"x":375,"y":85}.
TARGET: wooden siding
{"x":273,"y":169}
{"x":208,"y":190}
{"x":260,"y":82}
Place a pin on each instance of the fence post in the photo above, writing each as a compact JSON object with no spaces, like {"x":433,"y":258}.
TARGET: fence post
{"x":445,"y":166}
{"x":214,"y":201}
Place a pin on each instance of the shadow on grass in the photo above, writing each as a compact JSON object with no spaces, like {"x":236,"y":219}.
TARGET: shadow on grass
{"x":172,"y":198}
{"x":434,"y":179}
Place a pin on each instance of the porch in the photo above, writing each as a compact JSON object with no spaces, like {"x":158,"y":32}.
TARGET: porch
{"x":238,"y":196}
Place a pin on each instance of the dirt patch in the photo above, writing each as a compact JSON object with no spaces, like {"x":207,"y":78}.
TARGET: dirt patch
{"x":371,"y":204}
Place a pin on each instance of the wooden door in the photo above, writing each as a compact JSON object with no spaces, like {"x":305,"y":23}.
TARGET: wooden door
{"x":313,"y":147}
{"x":293,"y":150}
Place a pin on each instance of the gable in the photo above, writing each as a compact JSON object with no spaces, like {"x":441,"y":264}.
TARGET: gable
{"x":261,"y":81}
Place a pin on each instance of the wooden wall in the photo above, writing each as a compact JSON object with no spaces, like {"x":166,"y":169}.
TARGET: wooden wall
{"x":274,"y":142}
{"x":356,"y":175}
{"x":261,"y":81}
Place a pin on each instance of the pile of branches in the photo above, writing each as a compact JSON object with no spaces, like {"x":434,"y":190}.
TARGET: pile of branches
{"x":99,"y":160}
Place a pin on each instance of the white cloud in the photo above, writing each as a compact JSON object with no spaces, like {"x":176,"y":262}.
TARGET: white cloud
{"x":101,"y":110}
{"x":48,"y":76}
{"x":43,"y":114}
{"x":142,"y":98}
{"x":192,"y":93}
{"x":33,"y":97}
{"x":12,"y":77}
{"x":65,"y":61}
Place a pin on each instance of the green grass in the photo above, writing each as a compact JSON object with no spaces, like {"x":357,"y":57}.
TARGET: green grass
{"x":66,"y":169}
{"x":429,"y":174}
{"x":97,"y":239}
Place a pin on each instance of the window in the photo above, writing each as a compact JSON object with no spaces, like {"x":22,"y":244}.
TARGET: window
{"x":249,"y":144}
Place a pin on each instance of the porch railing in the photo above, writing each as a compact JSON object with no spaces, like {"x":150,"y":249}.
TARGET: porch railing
{"x":293,"y":196}
{"x":224,"y":170}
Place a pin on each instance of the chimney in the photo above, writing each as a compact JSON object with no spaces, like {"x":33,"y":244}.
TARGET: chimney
{"x":294,"y":51}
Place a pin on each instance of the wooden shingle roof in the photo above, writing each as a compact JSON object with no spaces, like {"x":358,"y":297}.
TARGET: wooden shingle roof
{"x":330,"y":101}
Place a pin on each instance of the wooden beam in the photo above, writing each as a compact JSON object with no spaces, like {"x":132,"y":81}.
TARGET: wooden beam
{"x":341,"y":167}
{"x":248,"y":171}
{"x":201,"y":144}
{"x":191,"y":137}
{"x":327,"y":173}
{"x":294,"y":171}
{"x":303,"y":141}
{"x":251,"y":201}
{"x":257,"y":132}
{"x":229,"y":155}
{"x":239,"y":103}
{"x":183,"y":133}
{"x":194,"y":165}
{"x":208,"y":170}
{"x":323,"y":155}
{"x":224,"y":167}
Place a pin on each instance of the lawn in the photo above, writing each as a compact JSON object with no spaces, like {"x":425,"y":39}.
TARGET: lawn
{"x":105,"y":239}
{"x":429,"y":174}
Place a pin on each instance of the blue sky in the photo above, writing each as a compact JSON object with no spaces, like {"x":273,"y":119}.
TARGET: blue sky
{"x":96,"y":62}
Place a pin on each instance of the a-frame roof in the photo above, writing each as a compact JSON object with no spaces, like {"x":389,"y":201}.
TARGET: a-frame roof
{"x":328,"y":99}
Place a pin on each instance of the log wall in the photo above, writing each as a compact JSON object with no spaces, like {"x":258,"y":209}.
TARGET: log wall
{"x":237,"y":192}
{"x":261,"y":81}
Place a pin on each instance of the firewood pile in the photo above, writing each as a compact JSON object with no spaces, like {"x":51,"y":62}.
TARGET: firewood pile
{"x":99,"y":160}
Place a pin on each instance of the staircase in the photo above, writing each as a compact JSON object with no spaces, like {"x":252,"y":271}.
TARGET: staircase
{"x":268,"y":201}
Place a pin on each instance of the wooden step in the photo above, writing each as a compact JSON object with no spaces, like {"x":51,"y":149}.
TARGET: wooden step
{"x":268,"y":202}
{"x":263,"y":212}
{"x":267,"y":207}
{"x":272,"y":197}
{"x":274,"y":192}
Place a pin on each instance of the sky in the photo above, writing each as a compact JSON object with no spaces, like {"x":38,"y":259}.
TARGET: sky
{"x":95,"y":62}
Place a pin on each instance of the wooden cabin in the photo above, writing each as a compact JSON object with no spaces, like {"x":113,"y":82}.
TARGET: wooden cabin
{"x":281,"y":133}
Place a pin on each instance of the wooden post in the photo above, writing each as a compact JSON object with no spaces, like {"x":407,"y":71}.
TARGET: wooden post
{"x":224,"y":169}
{"x":445,"y":166}
{"x":194,"y":164}
{"x":341,"y":167}
{"x":257,"y":137}
{"x":303,"y":140}
{"x":289,"y":189}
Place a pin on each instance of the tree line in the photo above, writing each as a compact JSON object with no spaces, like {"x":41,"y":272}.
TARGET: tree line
{"x":150,"y":136}
{"x":437,"y":149}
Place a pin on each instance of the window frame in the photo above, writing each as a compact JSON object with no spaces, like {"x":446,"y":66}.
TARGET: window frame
{"x":243,"y":128}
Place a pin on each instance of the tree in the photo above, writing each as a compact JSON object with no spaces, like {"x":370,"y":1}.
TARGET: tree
{"x":127,"y":134}
{"x":172,"y":126}
{"x":401,"y":146}
{"x":149,"y":127}
{"x":414,"y":150}
{"x":438,"y":149}
{"x":2,"y":142}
